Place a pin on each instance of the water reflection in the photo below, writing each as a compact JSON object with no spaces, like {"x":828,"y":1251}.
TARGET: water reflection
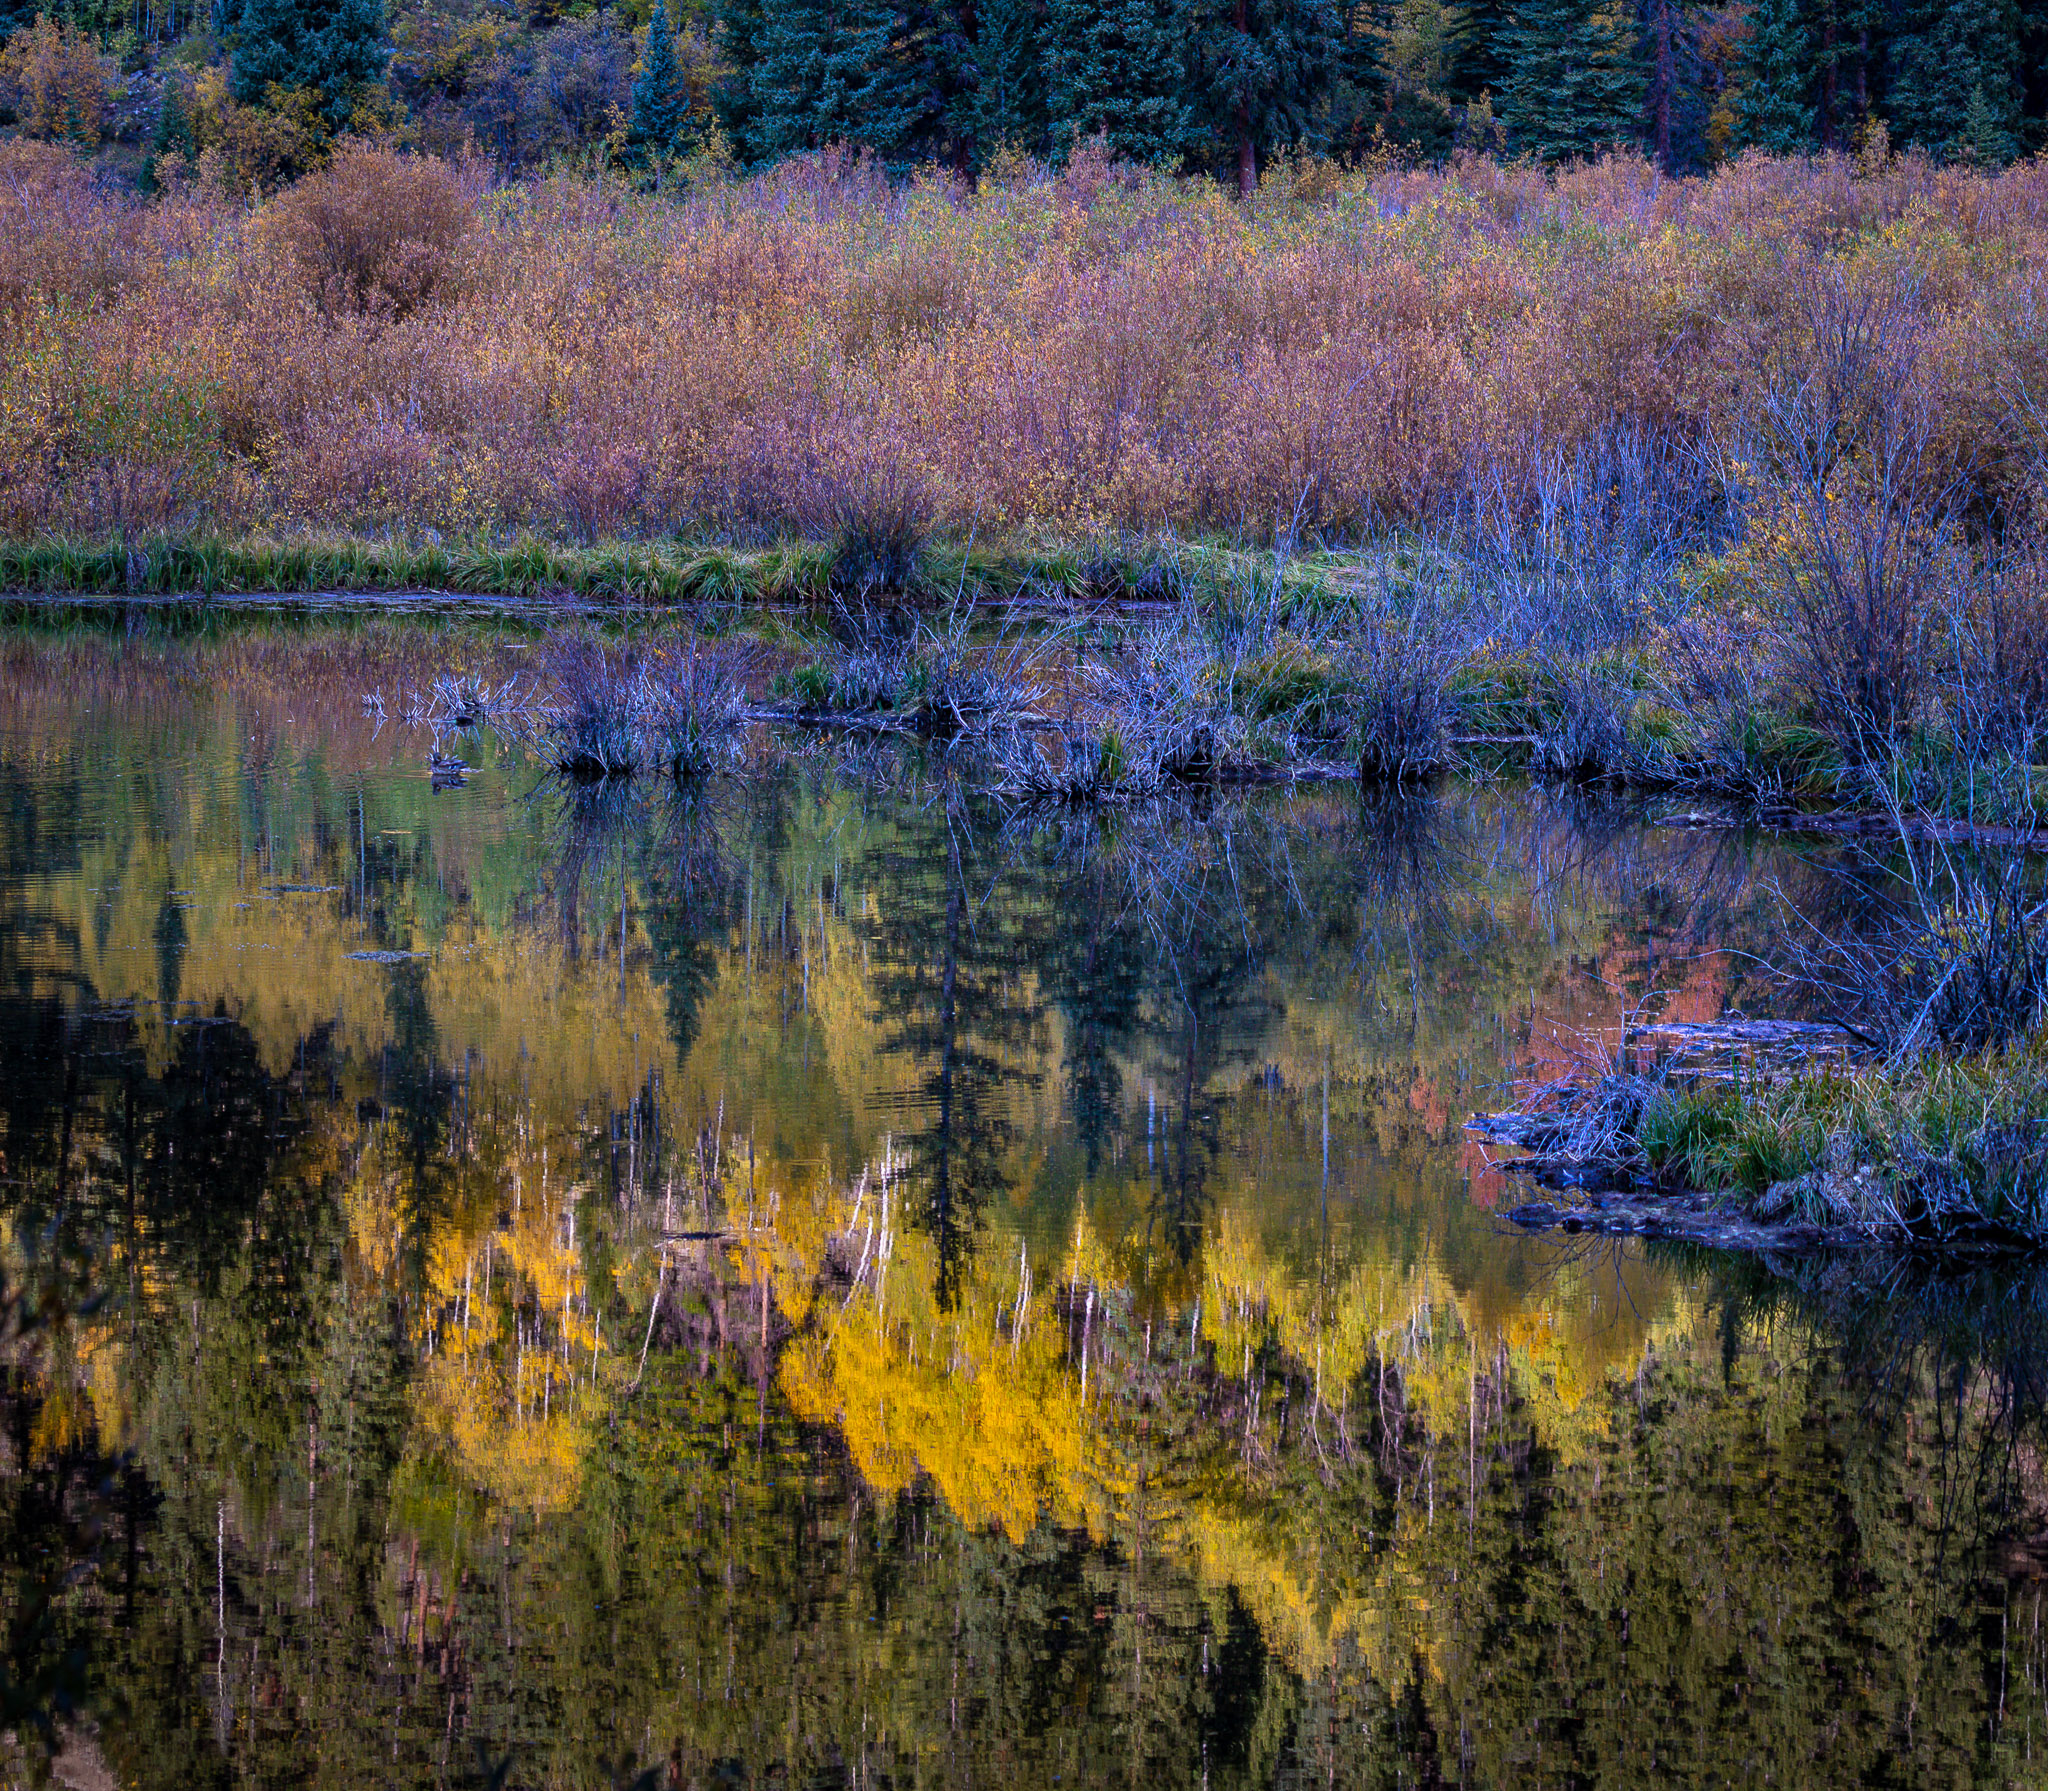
{"x":823,"y":1279}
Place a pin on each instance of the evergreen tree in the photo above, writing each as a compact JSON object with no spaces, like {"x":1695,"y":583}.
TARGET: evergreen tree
{"x":1482,"y":59}
{"x":1955,"y":80}
{"x":660,"y":121}
{"x":334,"y":48}
{"x":1577,"y":86}
{"x":890,"y":58}
{"x":1266,"y":66}
{"x":1119,"y":68}
{"x":803,"y":79}
{"x":1776,"y":109}
{"x":739,"y":29}
{"x":173,"y":134}
{"x":1007,"y":103}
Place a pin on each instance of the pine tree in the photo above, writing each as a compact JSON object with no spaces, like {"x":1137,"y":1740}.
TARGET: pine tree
{"x":1265,"y":67}
{"x":1776,"y":109}
{"x":333,"y":48}
{"x":1119,"y":68}
{"x":1007,"y":103}
{"x":660,"y":120}
{"x":1577,"y":86}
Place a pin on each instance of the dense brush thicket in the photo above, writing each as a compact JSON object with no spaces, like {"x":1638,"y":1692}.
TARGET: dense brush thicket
{"x":1610,"y":365}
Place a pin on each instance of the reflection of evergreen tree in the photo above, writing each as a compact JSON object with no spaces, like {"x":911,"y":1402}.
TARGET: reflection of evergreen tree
{"x":418,"y":1096}
{"x":170,"y":953}
{"x":1094,"y":968}
{"x":948,"y":962}
{"x":1210,"y":937}
{"x":688,"y":876}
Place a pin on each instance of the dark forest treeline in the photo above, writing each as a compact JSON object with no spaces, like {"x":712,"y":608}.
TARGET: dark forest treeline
{"x":1215,"y":86}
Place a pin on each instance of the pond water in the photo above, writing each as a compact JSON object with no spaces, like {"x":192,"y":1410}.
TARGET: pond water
{"x":820,"y":1280}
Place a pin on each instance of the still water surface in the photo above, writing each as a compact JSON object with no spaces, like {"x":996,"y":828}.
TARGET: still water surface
{"x":826,"y":1282}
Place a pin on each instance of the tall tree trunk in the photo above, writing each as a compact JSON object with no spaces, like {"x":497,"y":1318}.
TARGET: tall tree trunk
{"x":1830,"y":70}
{"x":1667,"y":74}
{"x":1247,"y":153}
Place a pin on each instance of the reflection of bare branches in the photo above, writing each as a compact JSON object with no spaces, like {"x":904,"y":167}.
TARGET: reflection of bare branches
{"x":1929,"y":947}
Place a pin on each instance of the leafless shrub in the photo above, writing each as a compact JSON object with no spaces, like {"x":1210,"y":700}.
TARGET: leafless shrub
{"x":1578,"y":555}
{"x":1396,"y":664}
{"x":1167,"y":698}
{"x":1851,"y":582}
{"x":1854,"y":543}
{"x":959,"y":685}
{"x":1078,"y":765}
{"x":1994,"y":675}
{"x":593,"y":725}
{"x":1950,"y":953}
{"x":1587,"y":1120}
{"x":1583,"y":724}
{"x":1722,"y":697}
{"x":463,"y":700}
{"x":695,"y":704}
{"x":1840,"y":394}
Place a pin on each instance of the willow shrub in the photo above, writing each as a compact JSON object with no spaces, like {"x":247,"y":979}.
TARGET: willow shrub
{"x":1052,"y":357}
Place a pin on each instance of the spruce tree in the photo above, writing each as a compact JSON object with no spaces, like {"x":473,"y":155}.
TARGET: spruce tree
{"x":1265,"y":67}
{"x":1578,"y":81}
{"x":1006,"y":107}
{"x":333,"y":48}
{"x":890,"y":63}
{"x":1955,"y":80}
{"x":1775,"y":110}
{"x":739,"y":28}
{"x":803,"y":79}
{"x":660,"y":120}
{"x":1482,"y":60}
{"x":1120,"y":69}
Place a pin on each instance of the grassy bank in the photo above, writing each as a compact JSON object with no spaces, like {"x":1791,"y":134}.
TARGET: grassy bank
{"x":1714,"y":675}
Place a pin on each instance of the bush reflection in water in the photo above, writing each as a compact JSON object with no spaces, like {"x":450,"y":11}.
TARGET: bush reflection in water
{"x":1022,"y":1315}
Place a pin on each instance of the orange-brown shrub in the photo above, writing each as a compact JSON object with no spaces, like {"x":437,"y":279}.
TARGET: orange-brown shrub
{"x":374,"y":231}
{"x":393,"y":344}
{"x":54,"y":77}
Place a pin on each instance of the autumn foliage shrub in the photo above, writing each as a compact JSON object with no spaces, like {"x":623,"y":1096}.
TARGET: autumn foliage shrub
{"x":1568,"y":366}
{"x":54,"y":78}
{"x":373,"y":231}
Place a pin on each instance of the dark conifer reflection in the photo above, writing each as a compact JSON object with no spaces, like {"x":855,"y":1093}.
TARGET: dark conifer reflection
{"x":947,"y":944}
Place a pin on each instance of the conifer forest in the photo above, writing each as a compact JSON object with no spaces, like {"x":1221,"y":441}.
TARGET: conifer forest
{"x":1129,"y":893}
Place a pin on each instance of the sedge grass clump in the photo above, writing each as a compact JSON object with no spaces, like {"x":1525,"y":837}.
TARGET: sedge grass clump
{"x":1940,"y":1151}
{"x":878,"y":519}
{"x":945,"y":675}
